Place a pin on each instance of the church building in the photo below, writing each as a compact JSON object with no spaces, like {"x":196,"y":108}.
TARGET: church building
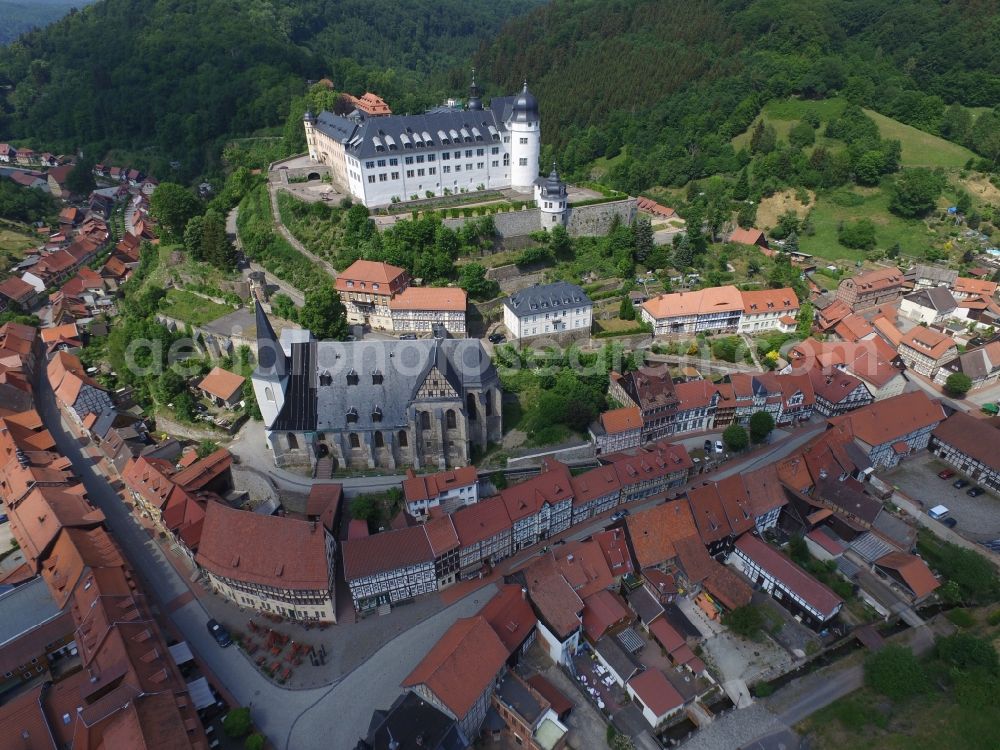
{"x":375,"y":404}
{"x":446,"y":150}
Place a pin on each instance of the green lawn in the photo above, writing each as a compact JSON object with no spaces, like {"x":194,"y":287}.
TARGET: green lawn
{"x":13,"y":244}
{"x":191,"y":308}
{"x":828,"y":212}
{"x":783,"y":114}
{"x":921,"y":149}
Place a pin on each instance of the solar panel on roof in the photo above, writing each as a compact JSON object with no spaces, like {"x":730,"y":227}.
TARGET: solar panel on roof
{"x":630,"y":640}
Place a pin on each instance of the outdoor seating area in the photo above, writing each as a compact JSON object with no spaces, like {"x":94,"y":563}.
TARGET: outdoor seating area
{"x":274,"y":652}
{"x":597,"y":682}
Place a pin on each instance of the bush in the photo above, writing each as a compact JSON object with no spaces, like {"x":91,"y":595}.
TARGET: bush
{"x":994,"y":618}
{"x":974,"y":575}
{"x":958,"y":384}
{"x":735,"y":437}
{"x":860,"y":235}
{"x":745,"y":621}
{"x":967,"y":652}
{"x":254,"y":742}
{"x":237,"y":723}
{"x":962,"y":618}
{"x":895,"y":673}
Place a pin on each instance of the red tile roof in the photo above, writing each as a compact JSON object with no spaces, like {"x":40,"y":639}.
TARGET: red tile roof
{"x":656,"y":692}
{"x":702,"y":302}
{"x":888,"y":420}
{"x":584,"y":567}
{"x":655,"y":532}
{"x":273,"y":551}
{"x":559,"y":605}
{"x":747,"y":236}
{"x":626,"y":419}
{"x":484,"y":520}
{"x":614,"y":545}
{"x":817,"y":595}
{"x":461,"y":665}
{"x":510,"y":615}
{"x":965,"y":285}
{"x":709,"y":516}
{"x":759,"y":301}
{"x":390,"y":550}
{"x":594,"y":484}
{"x":559,"y":702}
{"x":16,"y":289}
{"x":552,"y":486}
{"x":666,"y":634}
{"x":441,"y":535}
{"x":728,"y":587}
{"x":370,"y":272}
{"x":928,"y":342}
{"x":429,"y":486}
{"x":198,"y":475}
{"x":449,"y":299}
{"x":912,"y":570}
{"x":601,"y":611}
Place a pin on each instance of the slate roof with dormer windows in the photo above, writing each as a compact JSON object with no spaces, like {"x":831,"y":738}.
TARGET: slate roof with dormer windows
{"x":548,"y":298}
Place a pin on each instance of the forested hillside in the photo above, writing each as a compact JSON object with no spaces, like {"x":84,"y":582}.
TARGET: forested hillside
{"x":674,"y":82}
{"x":171,"y":79}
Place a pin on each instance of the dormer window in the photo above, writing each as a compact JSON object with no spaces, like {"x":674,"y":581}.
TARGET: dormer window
{"x":352,"y":377}
{"x":374,"y":286}
{"x":325,"y":378}
{"x":377,"y":414}
{"x":352,"y":415}
{"x":376,"y":377}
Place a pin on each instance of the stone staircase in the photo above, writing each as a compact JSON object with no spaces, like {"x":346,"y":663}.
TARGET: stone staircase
{"x":323,"y":468}
{"x":384,"y":609}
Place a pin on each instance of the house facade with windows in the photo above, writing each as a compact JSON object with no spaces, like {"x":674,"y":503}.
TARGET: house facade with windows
{"x":549,"y":309}
{"x":925,"y":350}
{"x":617,"y":429}
{"x":390,"y":567}
{"x":981,"y":365}
{"x":419,"y":309}
{"x":769,"y":310}
{"x":386,"y":159}
{"x":484,"y":535}
{"x":448,"y":490}
{"x":871,"y":289}
{"x":540,"y":507}
{"x":713,"y":309}
{"x":366,"y":288}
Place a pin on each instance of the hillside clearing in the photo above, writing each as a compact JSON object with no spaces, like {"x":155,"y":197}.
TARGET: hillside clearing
{"x":770,"y":209}
{"x":921,"y":149}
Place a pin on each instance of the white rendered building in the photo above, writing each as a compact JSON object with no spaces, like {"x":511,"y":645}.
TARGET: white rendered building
{"x":546,"y":310}
{"x":388,"y":159}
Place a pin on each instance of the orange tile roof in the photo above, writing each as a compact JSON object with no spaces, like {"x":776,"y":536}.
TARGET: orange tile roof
{"x":43,"y":513}
{"x":601,"y":611}
{"x":199,"y":474}
{"x":701,"y":302}
{"x":370,"y":272}
{"x":614,"y":545}
{"x":60,"y":333}
{"x":510,"y":615}
{"x":728,"y":587}
{"x":554,"y":598}
{"x":222,"y":383}
{"x":552,"y":486}
{"x":461,"y":665}
{"x":441,"y":535}
{"x":617,"y":421}
{"x":16,"y":289}
{"x":928,"y":342}
{"x":912,"y":570}
{"x":854,"y":328}
{"x":880,"y":278}
{"x":984,"y":287}
{"x":761,"y":301}
{"x":282,"y":553}
{"x":654,"y":532}
{"x":22,"y":718}
{"x":449,"y":299}
{"x":747,"y":236}
{"x":429,"y":486}
{"x":888,"y":330}
{"x":594,"y":484}
{"x":583,"y":566}
{"x":481,"y":521}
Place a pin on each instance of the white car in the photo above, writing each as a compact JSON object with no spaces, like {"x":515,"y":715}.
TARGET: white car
{"x":718,"y":446}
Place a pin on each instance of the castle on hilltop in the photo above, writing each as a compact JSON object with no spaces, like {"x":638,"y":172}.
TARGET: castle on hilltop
{"x":385,"y":159}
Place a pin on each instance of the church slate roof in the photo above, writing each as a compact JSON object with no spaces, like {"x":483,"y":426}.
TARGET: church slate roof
{"x":329,"y":379}
{"x":367,"y":137}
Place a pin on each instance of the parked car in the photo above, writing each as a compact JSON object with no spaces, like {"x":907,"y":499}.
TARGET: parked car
{"x":219,"y":633}
{"x":408,"y":337}
{"x":618,"y":515}
{"x":497,"y":338}
{"x":960,"y":483}
{"x":946,"y":473}
{"x":718,"y":446}
{"x":708,"y":446}
{"x":975,"y":492}
{"x":950,"y":523}
{"x":3,"y":518}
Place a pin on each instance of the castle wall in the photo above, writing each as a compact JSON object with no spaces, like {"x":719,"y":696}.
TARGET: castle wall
{"x":595,"y":220}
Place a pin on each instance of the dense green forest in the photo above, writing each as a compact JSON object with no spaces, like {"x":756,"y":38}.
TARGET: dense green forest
{"x":670,"y":83}
{"x":173,"y":79}
{"x":20,"y":16}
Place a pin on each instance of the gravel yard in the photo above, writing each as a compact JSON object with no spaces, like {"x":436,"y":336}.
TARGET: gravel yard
{"x":978,"y":517}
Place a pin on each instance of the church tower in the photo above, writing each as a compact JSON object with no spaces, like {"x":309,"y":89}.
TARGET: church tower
{"x":270,"y":379}
{"x":525,"y":127}
{"x":475,"y":95}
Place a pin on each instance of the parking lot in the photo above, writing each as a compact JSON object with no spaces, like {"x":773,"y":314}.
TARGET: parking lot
{"x":978,"y":517}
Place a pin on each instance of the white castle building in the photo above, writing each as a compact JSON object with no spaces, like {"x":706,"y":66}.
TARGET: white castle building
{"x":384,"y":159}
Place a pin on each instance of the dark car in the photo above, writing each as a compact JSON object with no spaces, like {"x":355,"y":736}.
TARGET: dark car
{"x":946,"y":473}
{"x":3,"y":518}
{"x":975,"y":492}
{"x":219,"y":633}
{"x":950,"y":523}
{"x":618,"y":515}
{"x":408,"y":337}
{"x":960,"y":483}
{"x":497,"y":338}
{"x":708,"y":446}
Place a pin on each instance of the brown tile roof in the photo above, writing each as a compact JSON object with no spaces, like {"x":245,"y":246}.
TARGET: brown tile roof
{"x":430,"y":486}
{"x":695,"y":394}
{"x":761,"y":301}
{"x":652,"y":207}
{"x":928,"y":342}
{"x":552,"y":486}
{"x":461,"y":665}
{"x":449,"y":299}
{"x":652,"y":387}
{"x":150,"y":477}
{"x":832,"y":384}
{"x":976,"y":438}
{"x":584,"y":567}
{"x":199,"y":474}
{"x":390,"y":550}
{"x":16,"y":289}
{"x":650,"y":462}
{"x":728,"y":587}
{"x":764,"y":489}
{"x":554,"y":598}
{"x":593,"y":484}
{"x":736,"y":503}
{"x":654,"y":532}
{"x":43,"y":513}
{"x":22,"y":718}
{"x":666,"y":634}
{"x":880,"y":278}
{"x":559,"y":702}
{"x":709,"y":516}
{"x":701,"y":302}
{"x":601,"y":611}
{"x":441,"y":535}
{"x":747,"y":236}
{"x":693,"y":558}
{"x":322,"y":495}
{"x":912,"y":570}
{"x":854,"y":328}
{"x":273,"y":551}
{"x":74,"y":551}
{"x":222,"y":383}
{"x":869,"y":360}
{"x":888,"y":420}
{"x":621,"y":420}
{"x":656,"y":692}
{"x":789,"y":574}
{"x":510,"y":615}
{"x":484,"y":520}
